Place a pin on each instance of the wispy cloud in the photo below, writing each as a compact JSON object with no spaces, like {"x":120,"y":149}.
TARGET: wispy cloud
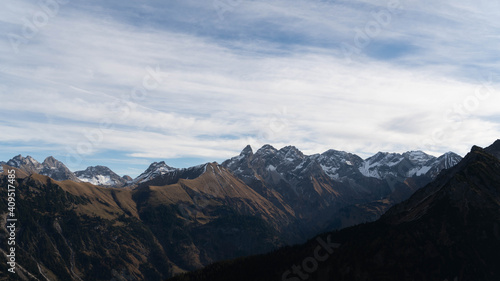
{"x":267,"y":72}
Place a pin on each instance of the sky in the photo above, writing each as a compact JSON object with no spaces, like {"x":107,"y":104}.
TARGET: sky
{"x":127,"y":83}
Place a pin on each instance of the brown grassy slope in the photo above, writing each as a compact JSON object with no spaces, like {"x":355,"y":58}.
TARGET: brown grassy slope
{"x":216,"y":186}
{"x":107,"y":203}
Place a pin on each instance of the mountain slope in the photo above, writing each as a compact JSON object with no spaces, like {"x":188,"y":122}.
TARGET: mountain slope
{"x":79,"y":231}
{"x":215,"y":216}
{"x":448,"y":230}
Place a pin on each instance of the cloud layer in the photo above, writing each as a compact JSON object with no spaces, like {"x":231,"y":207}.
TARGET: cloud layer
{"x":155,"y":80}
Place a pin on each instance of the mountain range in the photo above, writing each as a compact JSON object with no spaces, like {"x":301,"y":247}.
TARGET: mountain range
{"x":348,"y":189}
{"x":50,"y":167}
{"x":447,"y":230}
{"x":334,"y":163}
{"x":96,"y":225}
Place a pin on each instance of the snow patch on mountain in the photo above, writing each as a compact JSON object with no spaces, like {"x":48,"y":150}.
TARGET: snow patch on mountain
{"x":419,"y":171}
{"x":369,"y":170}
{"x":418,"y":157}
{"x":99,"y":180}
{"x":330,"y":171}
{"x":100,"y":175}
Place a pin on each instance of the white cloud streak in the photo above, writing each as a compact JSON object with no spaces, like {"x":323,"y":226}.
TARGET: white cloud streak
{"x":218,"y":94}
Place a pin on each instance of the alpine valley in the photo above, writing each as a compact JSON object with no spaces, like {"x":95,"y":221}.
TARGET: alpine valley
{"x":97,"y":225}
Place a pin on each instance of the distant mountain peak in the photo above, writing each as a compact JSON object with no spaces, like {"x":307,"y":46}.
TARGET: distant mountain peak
{"x":291,"y":153}
{"x":451,"y":154}
{"x":52,"y":162}
{"x":31,"y":159}
{"x":18,"y":157}
{"x":17,"y":161}
{"x":380,"y":154}
{"x":49,"y":158}
{"x":246,"y":151}
{"x":266,"y":149}
{"x":476,"y":148}
{"x":100,"y":175}
{"x":416,"y":153}
{"x":154,"y":170}
{"x":290,"y":148}
{"x":385,"y":158}
{"x":418,"y":157}
{"x":333,"y":152}
{"x":50,"y":167}
{"x":160,"y":167}
{"x":494,"y":149}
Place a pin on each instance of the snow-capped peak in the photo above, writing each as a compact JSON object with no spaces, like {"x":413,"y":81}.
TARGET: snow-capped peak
{"x":418,"y":157}
{"x":32,"y":160}
{"x":290,"y":153}
{"x":154,"y":170}
{"x":266,"y":150}
{"x":246,"y":151}
{"x":100,"y":175}
{"x":16,"y":162}
{"x":378,"y":166}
